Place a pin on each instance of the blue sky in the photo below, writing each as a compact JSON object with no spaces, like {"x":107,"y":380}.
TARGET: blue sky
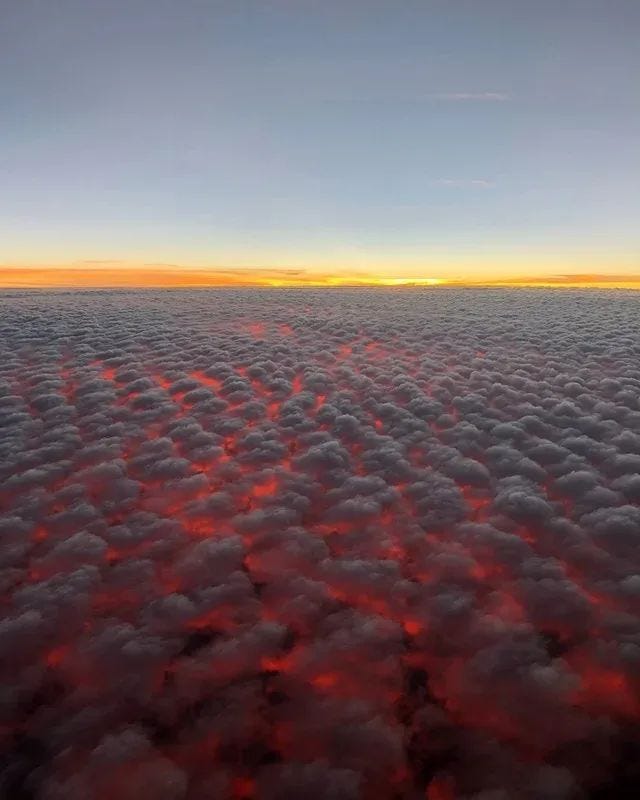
{"x":440,"y":136}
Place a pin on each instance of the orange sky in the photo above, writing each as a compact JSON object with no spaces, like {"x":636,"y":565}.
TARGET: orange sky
{"x":114,"y":274}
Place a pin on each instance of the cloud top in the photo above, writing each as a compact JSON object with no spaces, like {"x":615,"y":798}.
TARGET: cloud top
{"x":359,"y":544}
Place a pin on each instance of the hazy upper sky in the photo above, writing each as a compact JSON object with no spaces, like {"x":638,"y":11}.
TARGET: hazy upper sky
{"x":404,"y":137}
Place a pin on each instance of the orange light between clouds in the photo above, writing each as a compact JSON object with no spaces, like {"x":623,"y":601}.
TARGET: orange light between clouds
{"x":159,"y":277}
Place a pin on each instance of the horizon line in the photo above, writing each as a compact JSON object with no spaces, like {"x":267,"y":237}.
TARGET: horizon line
{"x":172,"y":276}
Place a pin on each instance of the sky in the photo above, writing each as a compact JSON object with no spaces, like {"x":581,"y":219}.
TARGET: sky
{"x":300,"y":141}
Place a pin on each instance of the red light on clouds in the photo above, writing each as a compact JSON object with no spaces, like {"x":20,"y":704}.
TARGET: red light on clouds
{"x":353,"y":556}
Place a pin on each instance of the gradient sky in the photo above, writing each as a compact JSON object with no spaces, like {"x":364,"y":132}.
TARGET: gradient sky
{"x":450,"y":138}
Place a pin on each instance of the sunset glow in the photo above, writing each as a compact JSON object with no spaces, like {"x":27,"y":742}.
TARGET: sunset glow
{"x":135,"y":276}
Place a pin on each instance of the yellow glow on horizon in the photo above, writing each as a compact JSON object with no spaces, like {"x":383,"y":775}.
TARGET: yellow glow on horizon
{"x":410,"y":281}
{"x":117,"y":275}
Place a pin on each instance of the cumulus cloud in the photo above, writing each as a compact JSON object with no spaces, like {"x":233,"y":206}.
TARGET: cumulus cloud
{"x":350,"y":545}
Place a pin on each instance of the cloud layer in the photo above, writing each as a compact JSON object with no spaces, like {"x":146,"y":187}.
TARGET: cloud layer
{"x":335,"y":545}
